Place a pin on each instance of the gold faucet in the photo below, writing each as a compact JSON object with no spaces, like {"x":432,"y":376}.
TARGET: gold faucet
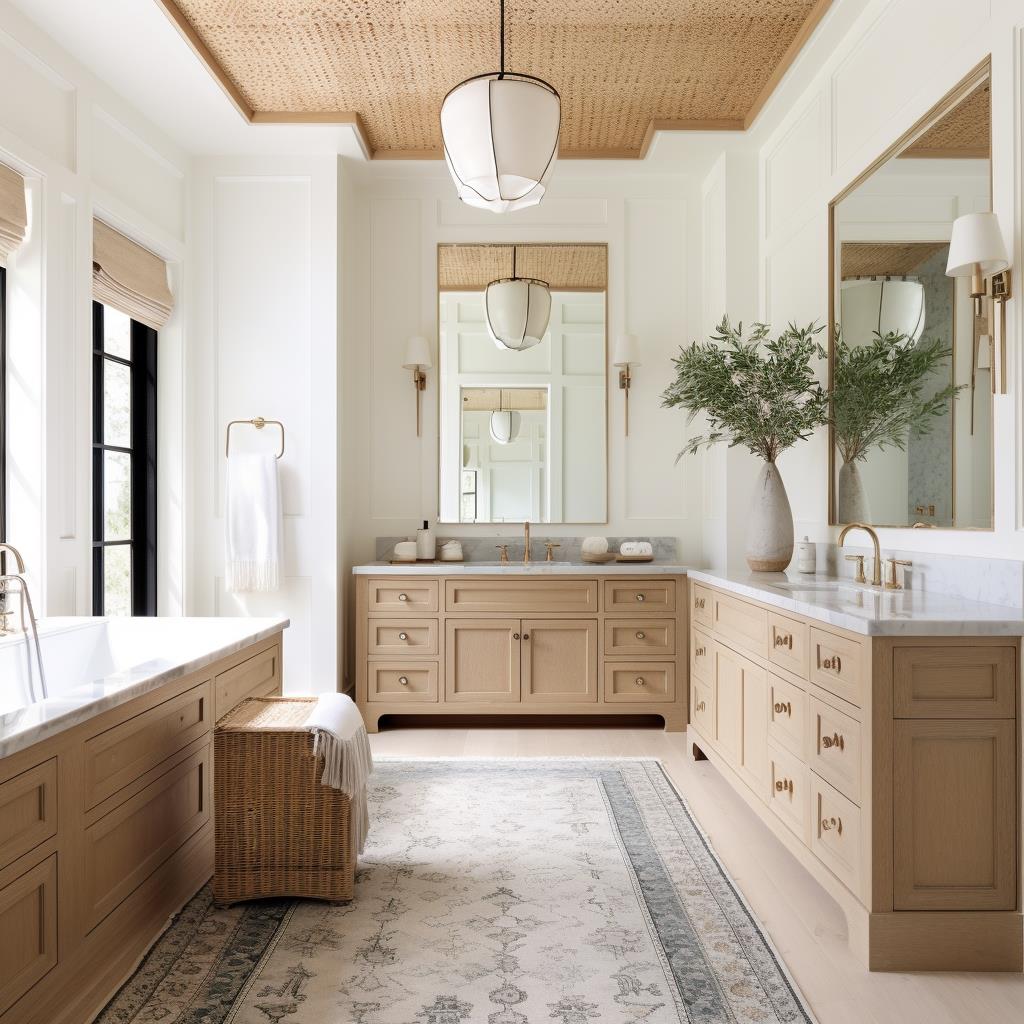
{"x":526,"y":543}
{"x":876,"y":573}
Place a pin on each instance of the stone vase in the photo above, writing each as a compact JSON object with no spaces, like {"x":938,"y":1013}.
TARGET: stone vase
{"x":770,"y":530}
{"x":851,"y":498}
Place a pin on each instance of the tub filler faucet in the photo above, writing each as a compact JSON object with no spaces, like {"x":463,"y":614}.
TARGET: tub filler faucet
{"x":27,"y":626}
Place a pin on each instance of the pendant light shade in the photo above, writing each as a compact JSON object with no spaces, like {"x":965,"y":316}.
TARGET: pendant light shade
{"x":881,"y":307}
{"x":500,"y":135}
{"x":504,"y":426}
{"x":517,"y":311}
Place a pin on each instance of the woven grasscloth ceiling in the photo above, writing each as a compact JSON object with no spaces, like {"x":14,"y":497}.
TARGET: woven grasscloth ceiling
{"x":580,"y":267}
{"x":623,"y":67}
{"x":885,"y":259}
{"x":964,"y":132}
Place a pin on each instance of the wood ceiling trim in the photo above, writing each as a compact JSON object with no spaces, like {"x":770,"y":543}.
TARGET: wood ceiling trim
{"x":352,"y":119}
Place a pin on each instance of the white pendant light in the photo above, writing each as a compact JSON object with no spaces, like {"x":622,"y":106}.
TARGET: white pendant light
{"x":517,"y":310}
{"x":500,"y":134}
{"x":869,"y":307}
{"x":504,"y":426}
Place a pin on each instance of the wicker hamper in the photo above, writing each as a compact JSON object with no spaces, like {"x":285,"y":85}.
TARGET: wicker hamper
{"x":278,"y":831}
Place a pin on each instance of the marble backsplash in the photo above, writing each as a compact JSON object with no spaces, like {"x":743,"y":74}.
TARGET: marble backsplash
{"x":991,"y":580}
{"x":485,"y":548}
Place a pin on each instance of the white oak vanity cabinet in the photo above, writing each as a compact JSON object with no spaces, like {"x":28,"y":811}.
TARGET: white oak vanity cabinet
{"x":521,"y":643}
{"x":888,"y":765}
{"x":105,"y":831}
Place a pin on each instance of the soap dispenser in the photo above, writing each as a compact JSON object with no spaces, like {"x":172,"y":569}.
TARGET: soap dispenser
{"x":426,"y":543}
{"x":806,"y":556}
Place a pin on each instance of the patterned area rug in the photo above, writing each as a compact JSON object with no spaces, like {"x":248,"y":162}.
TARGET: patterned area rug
{"x":491,"y":892}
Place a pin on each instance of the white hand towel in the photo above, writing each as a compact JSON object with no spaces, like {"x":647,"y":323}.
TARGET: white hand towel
{"x":636,"y":547}
{"x":253,"y":523}
{"x":340,"y":737}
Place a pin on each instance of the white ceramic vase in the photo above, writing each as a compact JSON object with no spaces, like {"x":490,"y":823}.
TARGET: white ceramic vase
{"x":851,"y":498}
{"x":770,"y":530}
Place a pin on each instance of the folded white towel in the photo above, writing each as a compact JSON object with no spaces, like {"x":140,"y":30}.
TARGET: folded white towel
{"x":339,"y":736}
{"x":252,"y":523}
{"x":636,"y":547}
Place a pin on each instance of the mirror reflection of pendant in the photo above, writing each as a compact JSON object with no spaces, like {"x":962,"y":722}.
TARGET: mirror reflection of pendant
{"x":504,"y":426}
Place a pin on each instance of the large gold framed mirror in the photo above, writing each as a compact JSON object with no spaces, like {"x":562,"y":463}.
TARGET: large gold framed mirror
{"x":522,"y":378}
{"x":910,"y":362}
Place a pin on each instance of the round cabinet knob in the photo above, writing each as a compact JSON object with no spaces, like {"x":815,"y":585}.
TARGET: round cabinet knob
{"x":403,"y":597}
{"x":640,"y":681}
{"x":640,"y":597}
{"x":515,"y":636}
{"x":403,"y":636}
{"x":526,"y":636}
{"x":641,"y":636}
{"x":404,"y":680}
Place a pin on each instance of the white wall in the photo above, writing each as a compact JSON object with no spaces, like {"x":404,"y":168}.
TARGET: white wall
{"x":264,"y":343}
{"x":84,"y":152}
{"x":899,"y":59}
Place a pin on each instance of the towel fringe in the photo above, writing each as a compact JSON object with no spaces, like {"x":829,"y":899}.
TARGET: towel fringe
{"x":347,"y":766}
{"x":243,"y":576}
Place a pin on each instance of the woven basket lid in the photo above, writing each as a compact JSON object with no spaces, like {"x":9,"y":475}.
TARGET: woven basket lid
{"x":268,"y":714}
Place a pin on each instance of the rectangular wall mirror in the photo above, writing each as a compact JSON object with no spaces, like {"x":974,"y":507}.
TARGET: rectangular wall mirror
{"x":523,"y":402}
{"x":912,"y":442}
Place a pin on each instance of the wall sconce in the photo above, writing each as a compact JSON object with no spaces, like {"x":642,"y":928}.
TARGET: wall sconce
{"x":417,"y":359}
{"x":626,"y":355}
{"x":976,"y":250}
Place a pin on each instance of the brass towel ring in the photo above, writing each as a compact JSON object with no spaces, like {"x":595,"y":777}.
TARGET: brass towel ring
{"x":259,"y":423}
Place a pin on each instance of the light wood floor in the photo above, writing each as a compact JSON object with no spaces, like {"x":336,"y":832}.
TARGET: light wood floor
{"x":806,"y":926}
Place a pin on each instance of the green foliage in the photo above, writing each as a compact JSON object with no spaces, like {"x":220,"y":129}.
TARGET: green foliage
{"x":757,"y":392}
{"x":878,"y":392}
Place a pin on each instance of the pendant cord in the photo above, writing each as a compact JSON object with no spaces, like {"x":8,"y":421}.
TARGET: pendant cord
{"x":501,"y":4}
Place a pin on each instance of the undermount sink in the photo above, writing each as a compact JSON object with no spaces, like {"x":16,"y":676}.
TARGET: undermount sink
{"x":829,"y":586}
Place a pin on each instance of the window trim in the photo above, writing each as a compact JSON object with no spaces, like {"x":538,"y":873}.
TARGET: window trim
{"x":143,"y":451}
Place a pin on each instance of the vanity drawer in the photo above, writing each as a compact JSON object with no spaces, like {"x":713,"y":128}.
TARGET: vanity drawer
{"x":787,"y":715}
{"x":837,"y":665}
{"x":789,"y":790}
{"x":647,"y":682}
{"x":744,"y":624}
{"x":638,"y":638}
{"x":700,"y":604}
{"x":702,"y":707}
{"x":835,"y":748}
{"x":402,"y":596}
{"x":646,"y":596}
{"x":835,"y":833}
{"x":120,"y":755}
{"x":954,"y":682}
{"x":701,"y":659}
{"x":28,"y":810}
{"x":787,"y":643}
{"x":401,"y":681}
{"x":400,"y":638}
{"x":258,"y":676}
{"x":28,"y":931}
{"x":521,"y":597}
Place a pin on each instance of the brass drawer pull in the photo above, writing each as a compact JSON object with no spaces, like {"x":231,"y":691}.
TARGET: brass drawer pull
{"x":783,"y":707}
{"x":404,"y":680}
{"x":827,"y":824}
{"x":700,"y":706}
{"x":403,"y":597}
{"x":784,"y":786}
{"x":784,"y":640}
{"x":641,"y":597}
{"x":700,"y":652}
{"x":403,"y":636}
{"x":640,"y":681}
{"x":835,"y":662}
{"x":835,"y":740}
{"x":641,"y":636}
{"x":698,"y":602}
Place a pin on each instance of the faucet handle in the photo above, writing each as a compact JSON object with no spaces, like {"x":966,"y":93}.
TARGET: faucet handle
{"x":503,"y":548}
{"x":550,"y":552}
{"x":891,"y":583}
{"x":859,"y":559}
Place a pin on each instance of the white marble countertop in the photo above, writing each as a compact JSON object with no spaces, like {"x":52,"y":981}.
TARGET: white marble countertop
{"x":868,"y":610}
{"x":93,"y":665}
{"x":518,"y":569}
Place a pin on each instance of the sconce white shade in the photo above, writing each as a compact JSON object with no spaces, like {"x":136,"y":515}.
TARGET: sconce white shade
{"x":867,"y":307}
{"x":500,"y":139}
{"x":976,"y":241}
{"x":417,"y":354}
{"x":517,"y":311}
{"x":627,"y":351}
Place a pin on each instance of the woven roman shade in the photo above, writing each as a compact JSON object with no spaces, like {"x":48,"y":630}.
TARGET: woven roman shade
{"x":13,"y":214}
{"x":129,"y":278}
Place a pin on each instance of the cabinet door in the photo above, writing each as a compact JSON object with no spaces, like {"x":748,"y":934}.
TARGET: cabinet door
{"x":482,"y":660}
{"x":955,"y":815}
{"x":741,"y":707}
{"x":559,"y":661}
{"x":729,"y":704}
{"x":754,"y":765}
{"x":28,"y":930}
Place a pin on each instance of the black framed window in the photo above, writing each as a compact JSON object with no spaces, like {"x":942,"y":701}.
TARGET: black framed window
{"x":123,"y":464}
